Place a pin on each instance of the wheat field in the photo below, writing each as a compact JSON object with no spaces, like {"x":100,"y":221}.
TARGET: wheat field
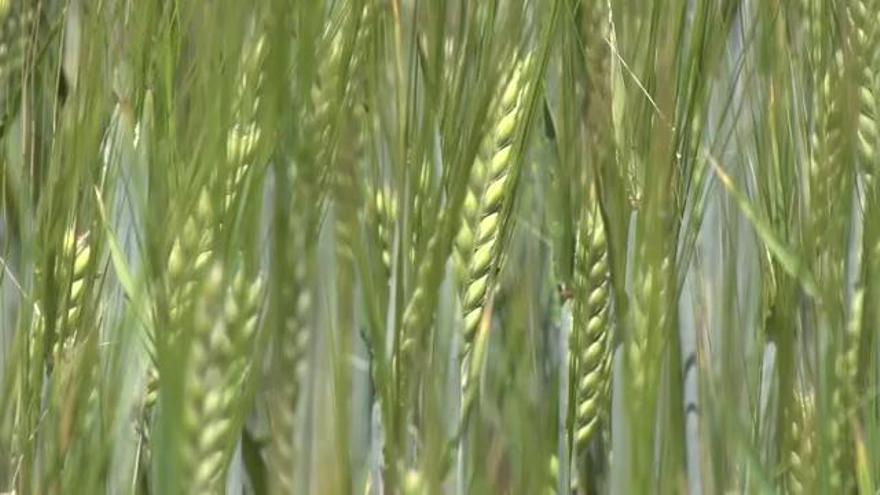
{"x":439,"y":247}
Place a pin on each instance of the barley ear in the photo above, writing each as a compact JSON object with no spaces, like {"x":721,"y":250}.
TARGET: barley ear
{"x":76,"y":259}
{"x":864,"y":35}
{"x":216,"y":373}
{"x":802,"y":455}
{"x":244,"y":136}
{"x":591,"y":336}
{"x":486,"y":253}
{"x":290,"y":349}
{"x":383,"y":215}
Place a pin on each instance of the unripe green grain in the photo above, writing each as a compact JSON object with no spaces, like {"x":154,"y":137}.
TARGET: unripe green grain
{"x":591,"y":335}
{"x":218,"y":367}
{"x":486,"y":251}
{"x":464,"y":240}
{"x":74,"y":269}
{"x":864,"y":36}
{"x":591,"y":342}
{"x":827,"y":177}
{"x":383,"y":212}
{"x":801,"y":475}
{"x":244,"y":136}
{"x":188,"y":260}
{"x":17,"y":20}
{"x":291,"y":339}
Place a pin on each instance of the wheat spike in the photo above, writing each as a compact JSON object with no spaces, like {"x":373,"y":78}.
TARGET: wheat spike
{"x":590,"y":339}
{"x":498,"y":148}
{"x":486,"y":251}
{"x":224,"y":326}
{"x":649,"y":317}
{"x":843,"y":400}
{"x":864,"y":16}
{"x":802,"y":455}
{"x":188,"y":260}
{"x":72,"y":270}
{"x":292,"y":338}
{"x":244,"y":136}
{"x":596,"y":32}
{"x":325,"y":95}
{"x":383,"y":216}
{"x":76,"y":258}
{"x":464,"y":240}
{"x":591,"y":336}
{"x":826,"y":170}
{"x":829,"y":182}
{"x":187,"y":265}
{"x":291,"y":356}
{"x":17,"y":21}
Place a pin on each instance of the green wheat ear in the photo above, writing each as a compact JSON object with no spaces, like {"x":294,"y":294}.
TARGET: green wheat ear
{"x":649,"y":313}
{"x":864,"y":34}
{"x":76,"y":258}
{"x":291,"y":352}
{"x":188,"y":262}
{"x":497,"y":150}
{"x":72,"y":271}
{"x":802,"y":463}
{"x":383,"y":213}
{"x":591,"y":335}
{"x":217,"y":370}
{"x":464,"y":240}
{"x":591,"y":339}
{"x":244,"y":136}
{"x":17,"y":21}
{"x":486,"y":247}
{"x":189,"y":258}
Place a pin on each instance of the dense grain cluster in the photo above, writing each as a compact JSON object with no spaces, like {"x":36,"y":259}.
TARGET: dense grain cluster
{"x":485,"y":257}
{"x":290,"y":360}
{"x":16,"y":23}
{"x":864,"y":36}
{"x":591,"y":335}
{"x":74,"y":269}
{"x":650,"y":310}
{"x":383,"y":209}
{"x":801,"y":459}
{"x":217,"y":372}
{"x":591,"y":339}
